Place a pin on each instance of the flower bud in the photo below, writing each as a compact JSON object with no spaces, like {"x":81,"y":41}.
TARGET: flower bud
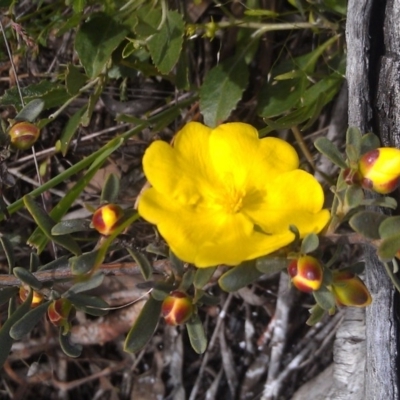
{"x":59,"y":313}
{"x":380,"y":169}
{"x":349,"y":290}
{"x":105,"y":218}
{"x":23,"y":135}
{"x":306,"y":273}
{"x":177,"y":308}
{"x":36,"y":299}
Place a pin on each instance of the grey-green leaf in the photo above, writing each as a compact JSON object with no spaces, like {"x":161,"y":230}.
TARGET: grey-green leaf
{"x":9,"y":252}
{"x":143,"y":262}
{"x":89,"y":304}
{"x":86,"y":284}
{"x":27,"y":277}
{"x":271,"y":265}
{"x":28,"y":321}
{"x":144,"y":327}
{"x":389,"y":227}
{"x":309,"y":243}
{"x":240,"y":276}
{"x":389,"y":247}
{"x":70,"y":349}
{"x":71,"y":226}
{"x":329,"y":150}
{"x":31,"y":111}
{"x":324,"y":298}
{"x":367,"y":223}
{"x":203,"y":276}
{"x":197,"y":336}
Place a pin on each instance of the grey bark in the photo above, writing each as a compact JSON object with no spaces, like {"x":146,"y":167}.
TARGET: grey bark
{"x":373,"y":71}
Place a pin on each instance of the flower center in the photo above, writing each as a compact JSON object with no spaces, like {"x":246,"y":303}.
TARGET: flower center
{"x":233,"y":202}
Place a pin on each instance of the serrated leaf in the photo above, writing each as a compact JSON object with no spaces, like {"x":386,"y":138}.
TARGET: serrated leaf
{"x":197,"y":336}
{"x":389,"y":227}
{"x":9,"y":252}
{"x":367,"y":223}
{"x":222,"y":89}
{"x":70,"y":128}
{"x":96,"y":40}
{"x":5,"y":338}
{"x":166,"y":44}
{"x":31,"y":111}
{"x":144,"y":327}
{"x":271,"y":265}
{"x":70,"y":349}
{"x":91,"y":305}
{"x":324,"y":298}
{"x":110,"y":191}
{"x":74,"y":79}
{"x":203,"y":276}
{"x":389,"y":247}
{"x":28,"y":321}
{"x":143,"y":262}
{"x":46,"y":223}
{"x":149,"y":18}
{"x":6,"y":293}
{"x":309,"y":243}
{"x":27,"y":277}
{"x":86,"y":284}
{"x":329,"y":150}
{"x":71,"y":226}
{"x":52,"y":94}
{"x":240,"y":276}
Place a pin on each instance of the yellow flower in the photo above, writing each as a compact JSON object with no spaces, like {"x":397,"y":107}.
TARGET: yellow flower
{"x":380,"y":169}
{"x":223,"y":196}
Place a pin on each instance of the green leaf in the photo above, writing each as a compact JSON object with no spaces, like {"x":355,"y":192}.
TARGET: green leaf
{"x":353,"y":143}
{"x":27,"y":277}
{"x":28,"y":321}
{"x":71,"y":226}
{"x":369,"y":142}
{"x":389,"y":247}
{"x":110,"y":191}
{"x":317,"y":313}
{"x":144,"y":326}
{"x":52,"y":94}
{"x":385,"y":201}
{"x":70,"y":349}
{"x":70,"y":128}
{"x":5,"y":338}
{"x":389,"y":227}
{"x":91,"y":305}
{"x":222,"y":89}
{"x":34,"y":262}
{"x":166,"y":44}
{"x":196,"y":333}
{"x":309,"y":243}
{"x":87,"y":283}
{"x":96,"y":40}
{"x":367,"y":223}
{"x":187,"y":279}
{"x":93,"y":100}
{"x":203,"y":276}
{"x":9,"y":252}
{"x":354,"y":196}
{"x":83,"y":263}
{"x":6,"y":293}
{"x":143,"y":262}
{"x":177,"y":265}
{"x":329,"y":150}
{"x":149,"y":18}
{"x":271,"y":265}
{"x":240,"y":276}
{"x":74,"y":79}
{"x":324,"y":298}
{"x":261,"y":13}
{"x":46,"y":223}
{"x":61,"y":262}
{"x":31,"y":111}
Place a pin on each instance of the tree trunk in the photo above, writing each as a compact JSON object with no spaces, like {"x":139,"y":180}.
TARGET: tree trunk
{"x":373,"y":73}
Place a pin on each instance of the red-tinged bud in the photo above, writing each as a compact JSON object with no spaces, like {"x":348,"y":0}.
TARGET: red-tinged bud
{"x":177,"y":308}
{"x":352,"y":176}
{"x":36,"y":299}
{"x":59,"y":312}
{"x":306,"y":273}
{"x":105,"y":218}
{"x":380,"y":169}
{"x":349,"y":290}
{"x":23,"y":135}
